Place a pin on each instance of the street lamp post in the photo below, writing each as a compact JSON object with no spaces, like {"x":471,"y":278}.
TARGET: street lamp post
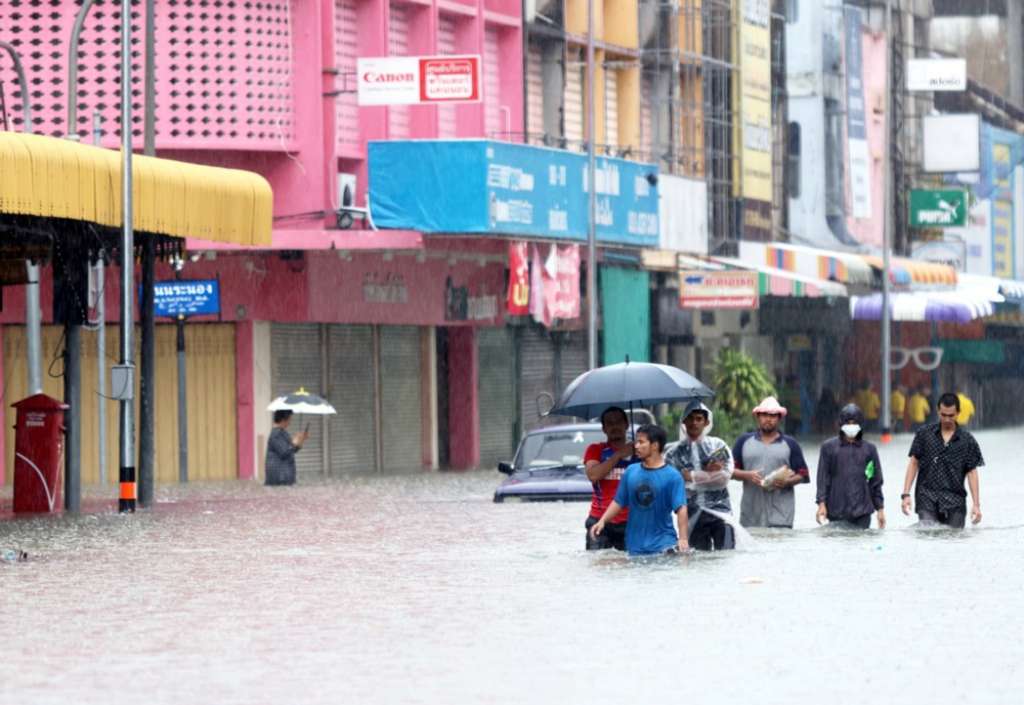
{"x":126,"y":502}
{"x":592,"y":193}
{"x":33,"y":313}
{"x":887,"y":232}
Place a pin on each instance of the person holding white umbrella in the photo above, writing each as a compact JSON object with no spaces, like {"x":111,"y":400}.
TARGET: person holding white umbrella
{"x":282,"y":446}
{"x":281,"y":450}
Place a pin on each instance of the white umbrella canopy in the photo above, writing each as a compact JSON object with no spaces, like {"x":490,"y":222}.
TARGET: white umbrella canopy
{"x":302,"y":402}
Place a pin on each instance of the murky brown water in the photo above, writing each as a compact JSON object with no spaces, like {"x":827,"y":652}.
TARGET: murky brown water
{"x":421,"y":590}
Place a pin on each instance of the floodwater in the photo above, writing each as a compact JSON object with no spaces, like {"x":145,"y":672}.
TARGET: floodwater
{"x":419,"y":589}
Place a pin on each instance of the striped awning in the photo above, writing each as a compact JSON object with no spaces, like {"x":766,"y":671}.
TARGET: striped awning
{"x":822,"y":265}
{"x":946,"y":306}
{"x":905,"y":271}
{"x":779,"y":282}
{"x":54,"y":178}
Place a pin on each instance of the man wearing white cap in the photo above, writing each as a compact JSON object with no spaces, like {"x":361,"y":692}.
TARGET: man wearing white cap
{"x":770,"y":464}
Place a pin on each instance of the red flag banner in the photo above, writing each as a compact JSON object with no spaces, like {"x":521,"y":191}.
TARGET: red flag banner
{"x":517,"y":300}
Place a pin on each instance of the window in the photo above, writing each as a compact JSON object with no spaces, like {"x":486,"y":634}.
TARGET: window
{"x":793,"y":159}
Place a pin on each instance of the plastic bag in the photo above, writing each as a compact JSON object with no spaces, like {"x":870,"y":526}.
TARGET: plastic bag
{"x":780,"y":475}
{"x":703,"y":481}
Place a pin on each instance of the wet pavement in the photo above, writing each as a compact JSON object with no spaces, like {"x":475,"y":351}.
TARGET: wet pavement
{"x":419,"y":589}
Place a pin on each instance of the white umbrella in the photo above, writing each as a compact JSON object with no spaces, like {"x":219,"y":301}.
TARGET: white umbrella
{"x":302,"y":402}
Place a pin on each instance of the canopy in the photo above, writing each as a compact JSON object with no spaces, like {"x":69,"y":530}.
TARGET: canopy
{"x":950,"y":306}
{"x":829,"y":265}
{"x":779,"y":282}
{"x":909,"y":271}
{"x":53,"y":178}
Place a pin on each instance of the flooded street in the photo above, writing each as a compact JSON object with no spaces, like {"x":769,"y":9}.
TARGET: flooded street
{"x":419,"y":589}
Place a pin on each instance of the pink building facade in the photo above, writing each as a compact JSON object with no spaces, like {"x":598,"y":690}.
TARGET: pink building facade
{"x":398,"y":328}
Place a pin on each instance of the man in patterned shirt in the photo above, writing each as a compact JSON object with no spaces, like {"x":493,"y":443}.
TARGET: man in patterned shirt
{"x":706,"y":465}
{"x":942,"y":456}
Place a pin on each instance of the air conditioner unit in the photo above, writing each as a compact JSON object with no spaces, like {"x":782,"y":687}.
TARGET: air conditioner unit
{"x":347,"y":209}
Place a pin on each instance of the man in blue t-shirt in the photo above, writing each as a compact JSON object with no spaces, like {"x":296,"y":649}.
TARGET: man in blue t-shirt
{"x":653,"y":491}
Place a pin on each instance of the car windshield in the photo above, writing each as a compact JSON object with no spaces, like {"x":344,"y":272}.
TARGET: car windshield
{"x":556,"y":448}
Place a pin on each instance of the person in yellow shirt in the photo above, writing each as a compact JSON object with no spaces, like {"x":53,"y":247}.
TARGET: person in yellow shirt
{"x":867,"y":399}
{"x":918,"y":408}
{"x":898,"y":407}
{"x":966,"y":409}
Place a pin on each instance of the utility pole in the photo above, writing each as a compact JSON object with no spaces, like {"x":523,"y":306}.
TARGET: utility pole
{"x":33,"y":313}
{"x":100,"y":270}
{"x":592,"y":193}
{"x":126,"y":503}
{"x":887,"y":231}
{"x":147,"y":353}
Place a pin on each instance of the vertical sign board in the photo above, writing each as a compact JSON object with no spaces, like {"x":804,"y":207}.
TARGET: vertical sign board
{"x":858,"y":155}
{"x":755,"y":62}
{"x":1000,"y":150}
{"x":412,"y":80}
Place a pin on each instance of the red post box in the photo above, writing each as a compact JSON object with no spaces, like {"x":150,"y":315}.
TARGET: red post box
{"x":38,"y":454}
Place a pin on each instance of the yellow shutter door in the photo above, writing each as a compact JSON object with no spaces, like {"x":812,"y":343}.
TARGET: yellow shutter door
{"x":212,"y":415}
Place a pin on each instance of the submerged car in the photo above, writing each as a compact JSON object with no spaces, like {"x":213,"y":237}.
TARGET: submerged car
{"x":548,"y":465}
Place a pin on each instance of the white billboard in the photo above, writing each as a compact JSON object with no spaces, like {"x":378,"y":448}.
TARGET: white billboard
{"x":952,"y":142}
{"x":936,"y":74}
{"x":412,"y":80}
{"x":682,"y":214}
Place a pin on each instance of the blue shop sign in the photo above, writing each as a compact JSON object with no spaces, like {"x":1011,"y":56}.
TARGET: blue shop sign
{"x":186,"y":297}
{"x":482,"y":186}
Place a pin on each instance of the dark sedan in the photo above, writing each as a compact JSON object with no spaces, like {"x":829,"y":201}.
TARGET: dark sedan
{"x":548,"y":465}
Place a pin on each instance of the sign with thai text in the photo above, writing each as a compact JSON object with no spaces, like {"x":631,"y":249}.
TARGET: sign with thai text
{"x":710,"y":290}
{"x":410,"y":80}
{"x":186,"y":297}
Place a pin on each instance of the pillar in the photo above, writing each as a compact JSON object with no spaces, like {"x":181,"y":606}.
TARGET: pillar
{"x":463,"y":400}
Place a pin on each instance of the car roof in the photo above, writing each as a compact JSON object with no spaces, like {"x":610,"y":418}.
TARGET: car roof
{"x":563,"y":428}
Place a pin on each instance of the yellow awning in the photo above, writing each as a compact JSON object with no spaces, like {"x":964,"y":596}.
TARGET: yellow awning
{"x":53,"y":178}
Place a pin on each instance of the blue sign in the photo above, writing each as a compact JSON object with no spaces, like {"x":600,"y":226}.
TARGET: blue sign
{"x":186,"y":297}
{"x":481,"y":186}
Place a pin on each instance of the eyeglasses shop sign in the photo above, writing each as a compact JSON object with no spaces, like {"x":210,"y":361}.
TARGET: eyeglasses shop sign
{"x":938,"y":209}
{"x":717,"y":290}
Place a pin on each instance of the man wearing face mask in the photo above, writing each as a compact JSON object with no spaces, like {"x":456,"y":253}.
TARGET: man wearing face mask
{"x":850,"y":476}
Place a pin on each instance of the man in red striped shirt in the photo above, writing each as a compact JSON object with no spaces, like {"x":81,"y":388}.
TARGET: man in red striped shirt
{"x":605,"y":463}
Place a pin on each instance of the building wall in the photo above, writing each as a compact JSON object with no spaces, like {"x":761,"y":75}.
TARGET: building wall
{"x":268,"y":87}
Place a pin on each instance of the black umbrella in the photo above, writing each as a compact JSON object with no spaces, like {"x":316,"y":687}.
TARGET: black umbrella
{"x":628,"y":384}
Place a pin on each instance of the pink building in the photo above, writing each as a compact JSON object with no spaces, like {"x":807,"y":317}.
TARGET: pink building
{"x":362,"y":316}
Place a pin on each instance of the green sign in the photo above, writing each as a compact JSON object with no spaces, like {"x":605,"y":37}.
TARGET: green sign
{"x":937,"y":209}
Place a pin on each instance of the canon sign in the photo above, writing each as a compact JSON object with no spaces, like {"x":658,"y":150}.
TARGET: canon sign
{"x":372,"y":77}
{"x":409,"y":80}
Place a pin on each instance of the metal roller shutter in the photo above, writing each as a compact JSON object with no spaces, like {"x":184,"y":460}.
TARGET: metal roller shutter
{"x":446,"y":122}
{"x":572,"y":358}
{"x":535,"y":92}
{"x":537,"y":374}
{"x":496,"y":391}
{"x":351,"y":383}
{"x":574,"y":99}
{"x":398,"y":45}
{"x":401,"y":393}
{"x":295,"y":357}
{"x":494,"y":126}
{"x":611,"y":108}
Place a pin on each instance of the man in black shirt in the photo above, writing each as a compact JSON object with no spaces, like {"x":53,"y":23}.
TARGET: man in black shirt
{"x":941,"y":457}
